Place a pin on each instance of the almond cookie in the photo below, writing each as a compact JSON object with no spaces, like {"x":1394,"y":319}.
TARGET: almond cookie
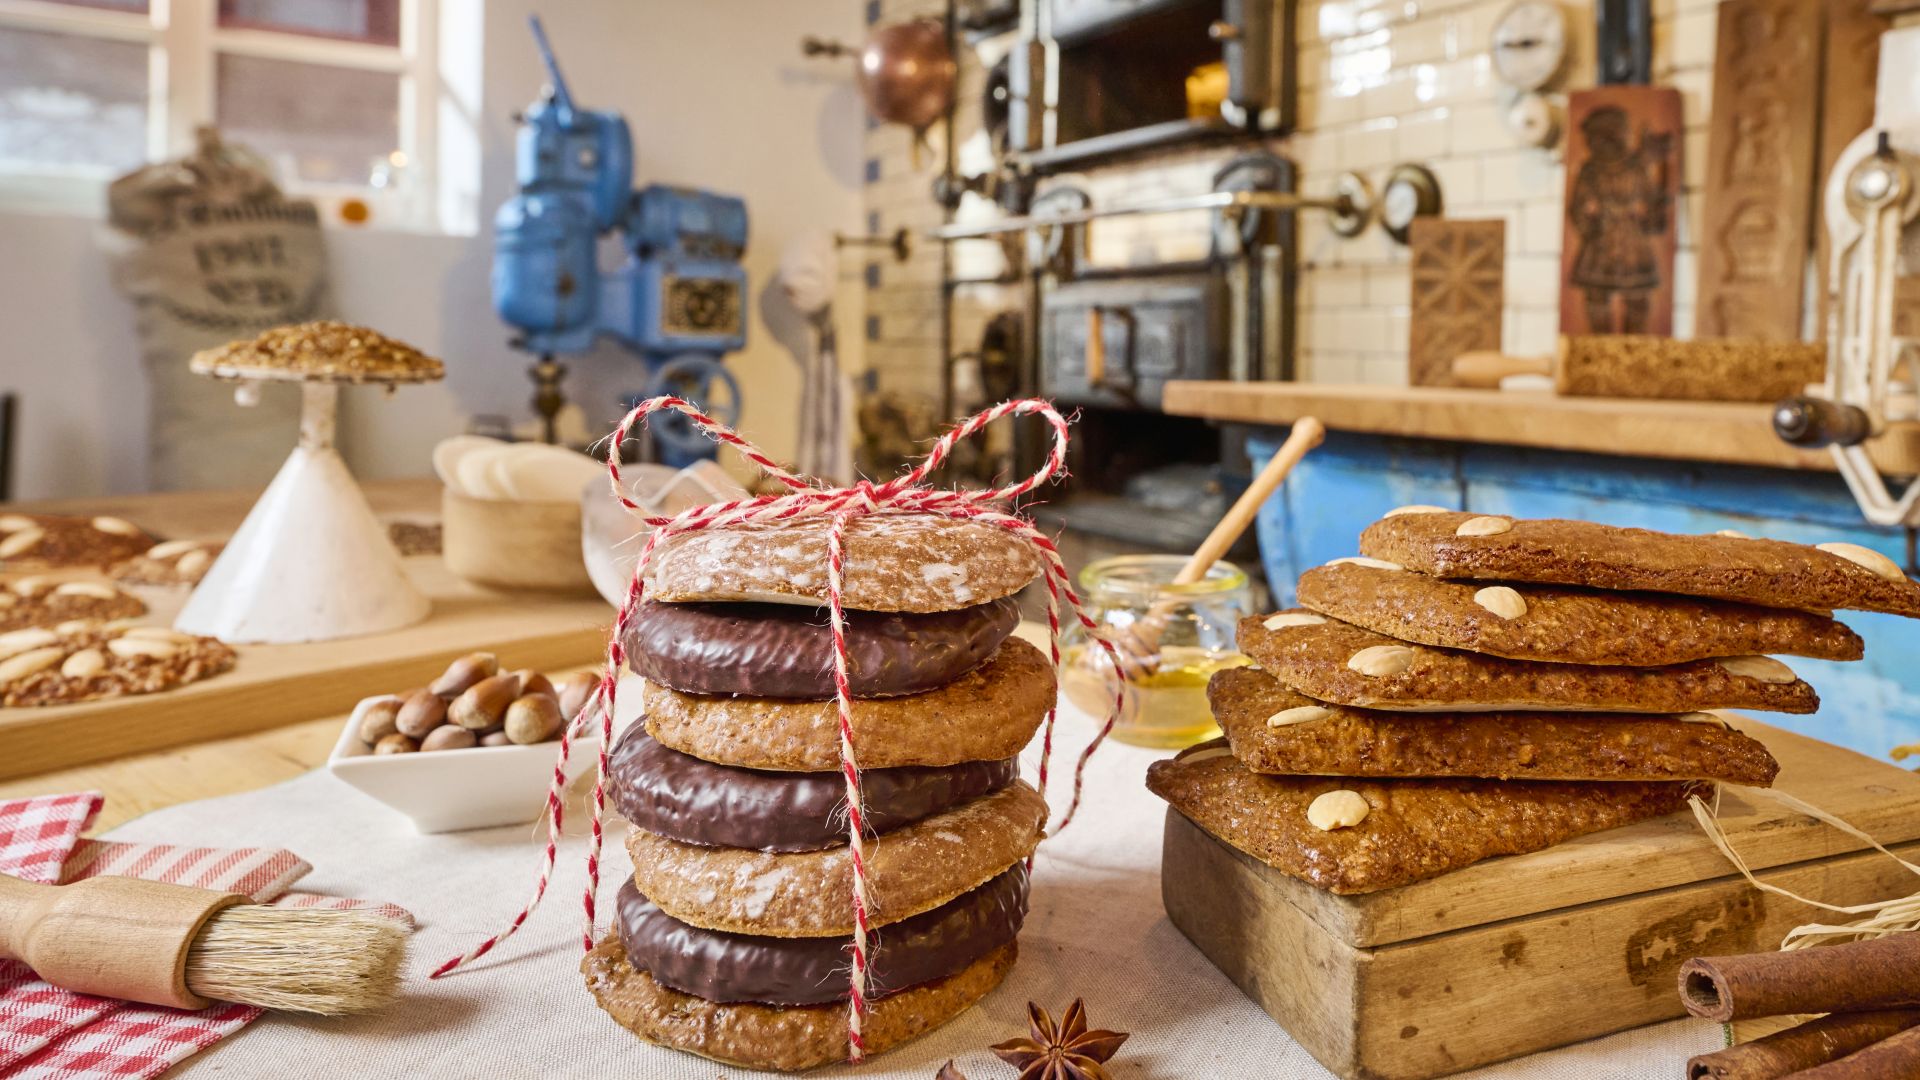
{"x":1276,"y":730}
{"x":986,"y":714}
{"x":1333,"y":661}
{"x":1771,"y":573}
{"x":1566,"y":625}
{"x":1394,"y":831}
{"x":169,"y":564}
{"x":893,"y":562}
{"x":787,"y":1038}
{"x":50,"y":541}
{"x":39,"y":602}
{"x":86,"y":660}
{"x":805,"y":893}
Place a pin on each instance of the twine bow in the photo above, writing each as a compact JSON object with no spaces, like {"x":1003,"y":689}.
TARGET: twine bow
{"x":805,"y":499}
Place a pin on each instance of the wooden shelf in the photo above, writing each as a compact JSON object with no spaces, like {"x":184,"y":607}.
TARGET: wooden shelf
{"x":1724,"y":432}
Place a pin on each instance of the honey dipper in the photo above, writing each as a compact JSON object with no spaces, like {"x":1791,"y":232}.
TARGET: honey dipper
{"x":1139,"y":645}
{"x":163,"y":944}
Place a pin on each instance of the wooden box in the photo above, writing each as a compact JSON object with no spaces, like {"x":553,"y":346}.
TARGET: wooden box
{"x":1520,"y":954}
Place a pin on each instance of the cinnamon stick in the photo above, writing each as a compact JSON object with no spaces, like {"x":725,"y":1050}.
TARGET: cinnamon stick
{"x":1816,"y":1042}
{"x":1858,"y":976}
{"x":1898,"y":1055}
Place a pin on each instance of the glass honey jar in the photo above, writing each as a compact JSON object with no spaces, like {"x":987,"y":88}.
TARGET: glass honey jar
{"x":1171,"y":637}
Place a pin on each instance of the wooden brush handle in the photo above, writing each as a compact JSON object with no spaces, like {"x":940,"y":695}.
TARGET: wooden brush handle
{"x":1307,"y":433}
{"x":109,"y":936}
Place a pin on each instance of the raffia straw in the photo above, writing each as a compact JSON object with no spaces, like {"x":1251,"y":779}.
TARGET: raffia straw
{"x":1884,"y":917}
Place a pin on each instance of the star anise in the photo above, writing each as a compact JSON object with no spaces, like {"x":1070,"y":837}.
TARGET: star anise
{"x":1068,"y":1052}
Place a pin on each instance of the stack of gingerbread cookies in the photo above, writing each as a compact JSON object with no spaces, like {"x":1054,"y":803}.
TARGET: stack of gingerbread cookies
{"x":1476,"y":685}
{"x":732,"y":940}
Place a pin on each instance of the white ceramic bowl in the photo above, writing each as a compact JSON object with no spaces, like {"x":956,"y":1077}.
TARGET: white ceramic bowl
{"x":449,"y":790}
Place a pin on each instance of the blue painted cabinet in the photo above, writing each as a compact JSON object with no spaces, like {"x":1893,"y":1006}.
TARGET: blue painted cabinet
{"x":1869,"y":706}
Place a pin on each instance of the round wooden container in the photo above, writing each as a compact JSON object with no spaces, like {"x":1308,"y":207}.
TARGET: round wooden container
{"x":513,"y":544}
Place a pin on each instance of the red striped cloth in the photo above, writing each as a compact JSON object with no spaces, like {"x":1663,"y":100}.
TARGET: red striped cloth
{"x":49,"y":1034}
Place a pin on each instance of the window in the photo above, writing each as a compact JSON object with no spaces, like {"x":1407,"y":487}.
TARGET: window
{"x":344,"y":98}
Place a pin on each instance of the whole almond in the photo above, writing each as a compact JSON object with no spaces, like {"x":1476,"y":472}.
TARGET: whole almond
{"x":532,"y":682}
{"x":495,"y":738}
{"x":1487,"y":525}
{"x":533,"y":718}
{"x":85,"y":588}
{"x":157,"y":633}
{"x":130,"y":647}
{"x":31,"y":586}
{"x":193,"y":563}
{"x":395,"y":743}
{"x":420,"y":712}
{"x":7,"y":599}
{"x":575,"y":688}
{"x":1340,"y":809}
{"x":464,"y":672}
{"x":449,"y":737}
{"x":21,"y":542}
{"x":1379,"y":661}
{"x":76,"y":626}
{"x":15,"y":642}
{"x":171,"y":548}
{"x":380,"y":719}
{"x":31,"y":662}
{"x":84,"y":664}
{"x":16,"y":522}
{"x":1502,"y":600}
{"x":484,"y":703}
{"x":116,"y":526}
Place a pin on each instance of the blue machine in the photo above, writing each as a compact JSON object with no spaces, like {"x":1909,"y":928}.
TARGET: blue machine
{"x":678,"y":300}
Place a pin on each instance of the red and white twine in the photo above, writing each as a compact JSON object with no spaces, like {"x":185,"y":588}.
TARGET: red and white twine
{"x":804,"y":499}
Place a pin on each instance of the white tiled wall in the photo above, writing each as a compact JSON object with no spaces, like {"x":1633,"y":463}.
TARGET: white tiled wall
{"x":1380,"y":82}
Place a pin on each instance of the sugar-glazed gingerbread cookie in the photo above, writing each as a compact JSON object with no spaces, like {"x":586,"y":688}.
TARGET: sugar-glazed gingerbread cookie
{"x":1772,"y":573}
{"x":1278,"y":731}
{"x":893,"y":562}
{"x":989,"y":713}
{"x":787,"y":1038}
{"x":1349,"y":836}
{"x":1329,"y":660}
{"x":1562,"y":624}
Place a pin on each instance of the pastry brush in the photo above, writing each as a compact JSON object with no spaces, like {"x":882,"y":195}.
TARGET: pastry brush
{"x":163,"y":944}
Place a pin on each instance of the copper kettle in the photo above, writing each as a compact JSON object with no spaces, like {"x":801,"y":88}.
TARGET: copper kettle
{"x":906,"y":71}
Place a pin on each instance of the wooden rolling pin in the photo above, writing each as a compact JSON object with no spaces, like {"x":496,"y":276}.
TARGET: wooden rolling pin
{"x":1643,"y":366}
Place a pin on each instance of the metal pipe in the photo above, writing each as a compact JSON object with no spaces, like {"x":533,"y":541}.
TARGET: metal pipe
{"x":1230,"y":201}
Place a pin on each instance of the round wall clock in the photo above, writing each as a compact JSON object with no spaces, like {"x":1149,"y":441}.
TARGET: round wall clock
{"x":1529,"y":44}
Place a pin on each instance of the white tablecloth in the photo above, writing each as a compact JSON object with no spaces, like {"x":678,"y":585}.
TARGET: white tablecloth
{"x":1097,"y":930}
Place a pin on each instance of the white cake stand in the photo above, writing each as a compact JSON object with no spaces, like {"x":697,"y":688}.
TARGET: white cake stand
{"x":311,"y":562}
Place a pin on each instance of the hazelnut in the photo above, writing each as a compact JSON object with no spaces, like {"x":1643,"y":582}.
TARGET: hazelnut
{"x":532,"y":682}
{"x":533,"y":718}
{"x":420,"y":712}
{"x":575,"y":688}
{"x":449,"y":737}
{"x":395,"y":743}
{"x":484,"y":704}
{"x":495,"y":738}
{"x":464,"y":672}
{"x":380,"y":719}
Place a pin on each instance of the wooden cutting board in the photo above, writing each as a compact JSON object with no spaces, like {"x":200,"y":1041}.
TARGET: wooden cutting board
{"x":1515,"y":955}
{"x":1623,"y":184}
{"x":1758,"y":201}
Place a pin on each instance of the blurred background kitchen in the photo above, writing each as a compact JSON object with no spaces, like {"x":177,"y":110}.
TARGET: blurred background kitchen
{"x":1523,"y":256}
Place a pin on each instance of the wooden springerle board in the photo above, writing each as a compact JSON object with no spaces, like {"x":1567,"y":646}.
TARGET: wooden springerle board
{"x":1623,"y":182}
{"x":1458,"y":272}
{"x":1515,"y":955}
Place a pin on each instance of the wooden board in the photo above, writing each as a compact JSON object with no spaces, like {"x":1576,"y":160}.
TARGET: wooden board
{"x":1458,"y":273}
{"x":1623,"y":182}
{"x":1849,"y":75}
{"x":1521,"y":954}
{"x":1727,"y":432}
{"x":273,"y":685}
{"x":1758,"y":201}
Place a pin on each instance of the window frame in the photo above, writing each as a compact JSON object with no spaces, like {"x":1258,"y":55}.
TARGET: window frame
{"x":180,"y":98}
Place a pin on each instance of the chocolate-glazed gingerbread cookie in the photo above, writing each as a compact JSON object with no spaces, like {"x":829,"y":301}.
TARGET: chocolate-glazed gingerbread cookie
{"x":719,"y":966}
{"x":683,"y":798}
{"x":786,"y":650}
